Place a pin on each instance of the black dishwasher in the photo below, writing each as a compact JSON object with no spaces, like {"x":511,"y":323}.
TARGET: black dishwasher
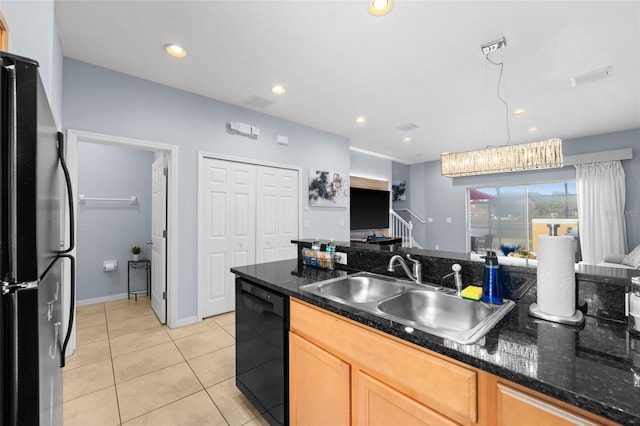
{"x":262,"y":349}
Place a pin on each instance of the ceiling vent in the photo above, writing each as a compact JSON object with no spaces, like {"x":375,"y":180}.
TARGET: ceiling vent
{"x":257,"y":101}
{"x":591,"y":76}
{"x":407,"y":126}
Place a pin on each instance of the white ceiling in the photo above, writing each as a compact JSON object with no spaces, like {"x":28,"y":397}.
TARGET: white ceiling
{"x":420,"y":64}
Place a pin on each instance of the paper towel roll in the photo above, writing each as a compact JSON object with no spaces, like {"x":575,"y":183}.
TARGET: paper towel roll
{"x":556,"y":275}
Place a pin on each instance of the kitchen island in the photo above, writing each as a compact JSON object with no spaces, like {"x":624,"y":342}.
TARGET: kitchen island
{"x":589,"y":368}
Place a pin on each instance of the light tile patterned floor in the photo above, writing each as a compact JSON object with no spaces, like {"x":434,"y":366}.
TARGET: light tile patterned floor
{"x":128,"y":369}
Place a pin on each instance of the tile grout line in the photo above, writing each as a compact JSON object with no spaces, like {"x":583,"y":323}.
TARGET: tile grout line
{"x":183,"y":360}
{"x":145,"y":309}
{"x":113,"y":371}
{"x":152,"y":371}
{"x":202,"y":384}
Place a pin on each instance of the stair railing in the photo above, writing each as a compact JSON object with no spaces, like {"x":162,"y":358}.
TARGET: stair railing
{"x":400,"y":228}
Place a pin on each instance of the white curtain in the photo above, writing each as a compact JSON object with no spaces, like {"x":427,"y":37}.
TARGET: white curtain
{"x":601,"y":200}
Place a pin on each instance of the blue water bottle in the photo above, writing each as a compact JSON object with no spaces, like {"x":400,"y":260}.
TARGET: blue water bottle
{"x":491,"y":281}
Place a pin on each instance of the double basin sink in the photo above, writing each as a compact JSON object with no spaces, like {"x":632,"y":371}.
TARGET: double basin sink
{"x":427,"y":307}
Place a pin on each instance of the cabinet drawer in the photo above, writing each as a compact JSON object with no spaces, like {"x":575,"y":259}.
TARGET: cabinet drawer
{"x":446,"y":387}
{"x":518,"y":408}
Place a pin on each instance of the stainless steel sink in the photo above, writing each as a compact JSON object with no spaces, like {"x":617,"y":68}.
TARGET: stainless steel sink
{"x":436,"y":310}
{"x":359,"y":288}
{"x":426,"y":307}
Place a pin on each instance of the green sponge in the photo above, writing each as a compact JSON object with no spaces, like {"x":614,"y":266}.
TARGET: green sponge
{"x":472,"y":293}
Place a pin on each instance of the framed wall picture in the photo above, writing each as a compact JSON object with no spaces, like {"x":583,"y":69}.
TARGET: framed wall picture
{"x":399,"y":190}
{"x":327,"y":189}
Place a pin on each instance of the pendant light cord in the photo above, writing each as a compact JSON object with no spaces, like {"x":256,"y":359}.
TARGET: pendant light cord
{"x":506,"y":112}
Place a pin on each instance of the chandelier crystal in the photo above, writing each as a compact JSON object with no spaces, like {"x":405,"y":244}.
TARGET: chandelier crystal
{"x":502,"y":159}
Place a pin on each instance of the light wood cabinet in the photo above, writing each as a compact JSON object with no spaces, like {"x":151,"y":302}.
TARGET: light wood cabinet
{"x":515,"y":405}
{"x":342,"y":372}
{"x":319,"y":385}
{"x":381,"y":405}
{"x":386,"y":369}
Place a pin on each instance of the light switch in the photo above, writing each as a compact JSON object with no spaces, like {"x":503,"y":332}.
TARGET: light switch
{"x":341,"y":222}
{"x":448,"y":220}
{"x":306,"y":223}
{"x":430,"y":219}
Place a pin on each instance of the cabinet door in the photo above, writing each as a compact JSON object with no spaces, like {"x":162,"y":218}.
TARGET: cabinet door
{"x":518,"y":408}
{"x":381,"y":405}
{"x":319,"y":385}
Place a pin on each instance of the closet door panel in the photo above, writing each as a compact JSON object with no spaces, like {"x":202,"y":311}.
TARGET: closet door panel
{"x":277,"y":213}
{"x":229,"y":235}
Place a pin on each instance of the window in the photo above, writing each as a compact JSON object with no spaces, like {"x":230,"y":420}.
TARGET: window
{"x":516,"y":215}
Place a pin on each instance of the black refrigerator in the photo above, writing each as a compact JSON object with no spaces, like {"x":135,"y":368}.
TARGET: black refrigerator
{"x":32,"y":176}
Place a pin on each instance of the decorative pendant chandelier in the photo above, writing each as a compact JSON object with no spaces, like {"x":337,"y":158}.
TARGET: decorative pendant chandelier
{"x":545,"y":154}
{"x":506,"y":158}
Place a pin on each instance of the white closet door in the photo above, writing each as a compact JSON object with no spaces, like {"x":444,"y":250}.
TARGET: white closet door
{"x":277,"y":218}
{"x":229,"y":230}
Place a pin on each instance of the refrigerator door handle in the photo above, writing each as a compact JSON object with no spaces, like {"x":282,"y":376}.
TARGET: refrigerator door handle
{"x":8,"y":288}
{"x":67,"y":179}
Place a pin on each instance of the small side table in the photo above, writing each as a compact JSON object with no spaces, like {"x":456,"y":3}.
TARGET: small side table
{"x":139,"y":264}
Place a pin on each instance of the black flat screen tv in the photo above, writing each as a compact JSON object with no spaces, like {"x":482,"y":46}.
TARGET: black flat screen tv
{"x":369,"y":208}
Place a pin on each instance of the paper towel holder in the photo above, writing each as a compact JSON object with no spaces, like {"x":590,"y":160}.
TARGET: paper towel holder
{"x":576,"y":319}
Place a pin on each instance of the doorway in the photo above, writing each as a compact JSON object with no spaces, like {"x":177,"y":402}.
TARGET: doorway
{"x":169,"y":156}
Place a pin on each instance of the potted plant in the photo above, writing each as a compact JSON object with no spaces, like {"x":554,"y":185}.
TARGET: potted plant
{"x":135,"y":251}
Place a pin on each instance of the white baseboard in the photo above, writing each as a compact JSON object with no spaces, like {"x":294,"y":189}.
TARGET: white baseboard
{"x":104,"y":299}
{"x":186,"y":321}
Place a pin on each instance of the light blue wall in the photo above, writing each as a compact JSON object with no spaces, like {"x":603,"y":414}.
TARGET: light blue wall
{"x":370,"y":166}
{"x":440,"y":197}
{"x":433,"y":197}
{"x":107,"y":230}
{"x":33,"y":33}
{"x":103,"y":101}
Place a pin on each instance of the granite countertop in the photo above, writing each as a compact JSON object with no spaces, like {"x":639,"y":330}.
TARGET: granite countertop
{"x":590,"y":367}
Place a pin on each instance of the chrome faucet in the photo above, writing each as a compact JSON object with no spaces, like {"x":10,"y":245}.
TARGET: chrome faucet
{"x":456,"y":268}
{"x":417,"y":267}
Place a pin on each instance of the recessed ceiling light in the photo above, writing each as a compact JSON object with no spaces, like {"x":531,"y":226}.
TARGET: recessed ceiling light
{"x":406,"y":139}
{"x":519,"y":112}
{"x":361,"y":120}
{"x":278,"y":89}
{"x":175,"y":50}
{"x":380,"y":7}
{"x":533,"y":130}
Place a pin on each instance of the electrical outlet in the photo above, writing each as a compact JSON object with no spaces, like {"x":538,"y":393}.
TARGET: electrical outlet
{"x":494,"y":45}
{"x":437,"y":246}
{"x":342,"y":257}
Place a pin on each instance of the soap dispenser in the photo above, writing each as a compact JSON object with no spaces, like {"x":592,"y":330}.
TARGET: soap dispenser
{"x":492,"y":280}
